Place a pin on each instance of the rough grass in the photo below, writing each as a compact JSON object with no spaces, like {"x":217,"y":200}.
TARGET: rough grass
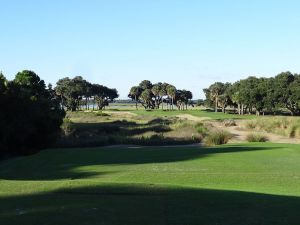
{"x":140,"y":127}
{"x":286,"y":126}
{"x":253,"y":183}
{"x":255,"y":137}
{"x":217,"y":137}
{"x":88,"y":129}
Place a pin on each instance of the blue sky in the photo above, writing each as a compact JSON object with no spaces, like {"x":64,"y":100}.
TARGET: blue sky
{"x":118,"y":43}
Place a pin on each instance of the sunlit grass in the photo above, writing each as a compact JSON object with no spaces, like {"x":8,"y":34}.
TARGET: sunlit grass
{"x":180,"y":184}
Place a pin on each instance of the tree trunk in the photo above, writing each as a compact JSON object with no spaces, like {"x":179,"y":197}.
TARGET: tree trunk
{"x":94,"y":103}
{"x":136,"y":106}
{"x":216,"y":104}
{"x":223,"y":110}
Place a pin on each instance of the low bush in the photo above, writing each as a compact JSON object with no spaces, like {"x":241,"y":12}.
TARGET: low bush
{"x":101,"y":114}
{"x":251,"y":124}
{"x":286,"y":126}
{"x":256,"y":138}
{"x":201,"y":129}
{"x":67,"y":127}
{"x":229,"y":123}
{"x":218,"y":137}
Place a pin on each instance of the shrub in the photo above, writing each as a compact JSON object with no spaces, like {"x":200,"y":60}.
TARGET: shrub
{"x":217,"y":137}
{"x":229,"y":123}
{"x":201,"y":129}
{"x":30,"y":115}
{"x":292,"y":132}
{"x":286,"y":126}
{"x":67,"y":127}
{"x":179,"y":124}
{"x":256,"y":138}
{"x":101,"y":114}
{"x":251,"y":124}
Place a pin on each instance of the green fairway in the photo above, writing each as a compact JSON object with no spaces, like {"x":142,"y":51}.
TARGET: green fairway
{"x":197,"y":113}
{"x":231,"y":185}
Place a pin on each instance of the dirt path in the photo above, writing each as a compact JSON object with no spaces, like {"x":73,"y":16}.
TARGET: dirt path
{"x":240,"y":133}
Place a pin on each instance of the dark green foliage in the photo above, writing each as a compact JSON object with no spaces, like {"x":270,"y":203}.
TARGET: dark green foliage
{"x":257,"y":95}
{"x":152,"y":96}
{"x":218,"y":95}
{"x":30,"y":115}
{"x":76,"y":92}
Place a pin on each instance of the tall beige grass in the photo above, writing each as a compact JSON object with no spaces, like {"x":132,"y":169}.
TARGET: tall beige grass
{"x":286,"y":126}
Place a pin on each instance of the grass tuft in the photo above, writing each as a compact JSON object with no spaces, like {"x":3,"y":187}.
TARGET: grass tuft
{"x":285,"y":126}
{"x":256,"y":138}
{"x":218,"y":137}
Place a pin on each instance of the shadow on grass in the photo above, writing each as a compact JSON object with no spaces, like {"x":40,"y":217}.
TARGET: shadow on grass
{"x":124,"y":126}
{"x":122,"y":132}
{"x":62,"y":163}
{"x":149,"y":205}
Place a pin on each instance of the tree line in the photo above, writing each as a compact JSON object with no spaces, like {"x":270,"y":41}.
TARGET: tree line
{"x":77,"y":93}
{"x":152,"y":96}
{"x":30,"y":114}
{"x":257,"y":95}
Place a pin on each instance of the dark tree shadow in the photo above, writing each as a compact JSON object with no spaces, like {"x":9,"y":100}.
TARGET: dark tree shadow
{"x":149,"y":205}
{"x":57,"y":164}
{"x":121,"y":132}
{"x":124,"y":127}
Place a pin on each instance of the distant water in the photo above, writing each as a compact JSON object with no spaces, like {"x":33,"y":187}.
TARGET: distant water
{"x":117,"y":106}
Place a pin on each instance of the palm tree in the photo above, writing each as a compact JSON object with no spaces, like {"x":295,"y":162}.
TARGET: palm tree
{"x":216,"y":90}
{"x":134,"y":93}
{"x":171,"y":91}
{"x":162,"y":93}
{"x":155,"y":91}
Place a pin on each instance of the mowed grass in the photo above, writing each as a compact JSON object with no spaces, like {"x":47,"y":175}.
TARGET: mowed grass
{"x":248,"y":184}
{"x":197,"y":113}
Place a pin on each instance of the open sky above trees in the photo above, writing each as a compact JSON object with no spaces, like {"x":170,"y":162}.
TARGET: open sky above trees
{"x":118,"y":43}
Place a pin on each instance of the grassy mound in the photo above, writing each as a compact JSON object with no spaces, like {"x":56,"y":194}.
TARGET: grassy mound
{"x":90,"y":129}
{"x":286,"y":126}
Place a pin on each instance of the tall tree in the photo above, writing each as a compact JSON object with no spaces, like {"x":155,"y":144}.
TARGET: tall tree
{"x":163,"y":93}
{"x":32,"y":116}
{"x":134,"y":94}
{"x":104,"y":95}
{"x":3,"y":83}
{"x":214,"y":91}
{"x":156,"y":90}
{"x":283,"y":91}
{"x":171,"y":91}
